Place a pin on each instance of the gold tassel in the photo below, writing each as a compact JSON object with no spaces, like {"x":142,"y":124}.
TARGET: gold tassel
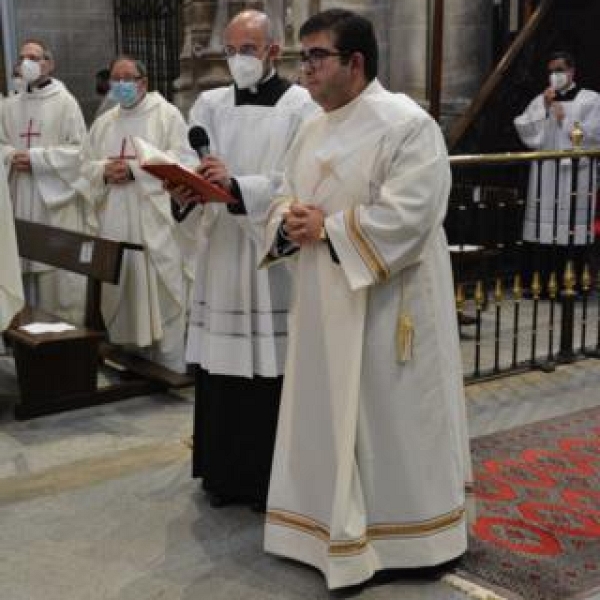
{"x":405,"y":332}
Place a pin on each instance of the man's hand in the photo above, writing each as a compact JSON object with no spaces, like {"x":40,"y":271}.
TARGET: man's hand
{"x":182,"y":194}
{"x":215,"y":170}
{"x":21,"y":162}
{"x":117,"y":171}
{"x":558,"y":110}
{"x":549,"y":97}
{"x":303,"y":223}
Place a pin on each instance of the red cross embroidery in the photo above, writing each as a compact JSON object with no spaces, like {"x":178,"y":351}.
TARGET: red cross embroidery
{"x":30,"y":133}
{"x":123,"y":155}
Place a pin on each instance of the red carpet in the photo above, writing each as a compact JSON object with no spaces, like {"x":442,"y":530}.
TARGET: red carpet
{"x":537,"y":532}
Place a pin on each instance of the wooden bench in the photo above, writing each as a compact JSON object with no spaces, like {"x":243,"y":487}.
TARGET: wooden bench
{"x":59,"y":371}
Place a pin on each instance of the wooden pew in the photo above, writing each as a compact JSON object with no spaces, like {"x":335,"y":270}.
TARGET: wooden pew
{"x":59,"y":371}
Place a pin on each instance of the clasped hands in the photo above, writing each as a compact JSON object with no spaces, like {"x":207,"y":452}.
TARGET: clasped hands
{"x":21,"y":161}
{"x":213,"y":169}
{"x":117,"y":171}
{"x":303,"y":223}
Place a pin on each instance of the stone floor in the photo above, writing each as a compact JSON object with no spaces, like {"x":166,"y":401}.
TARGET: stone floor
{"x":98,"y":504}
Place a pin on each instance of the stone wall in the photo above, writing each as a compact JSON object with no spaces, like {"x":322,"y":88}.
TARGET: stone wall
{"x":81,"y":36}
{"x":81,"y":33}
{"x":404,"y":33}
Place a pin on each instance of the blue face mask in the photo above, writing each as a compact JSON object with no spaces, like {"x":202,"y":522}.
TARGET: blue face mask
{"x":124,"y":92}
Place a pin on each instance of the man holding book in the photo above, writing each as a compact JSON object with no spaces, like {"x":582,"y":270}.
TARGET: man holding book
{"x":238,"y":325}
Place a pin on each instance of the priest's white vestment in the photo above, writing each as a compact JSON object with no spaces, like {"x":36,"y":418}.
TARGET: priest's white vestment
{"x":371,"y":457}
{"x":147,"y":309}
{"x":47,"y":122}
{"x":239,"y":314}
{"x":11,"y":285}
{"x":540,"y":130}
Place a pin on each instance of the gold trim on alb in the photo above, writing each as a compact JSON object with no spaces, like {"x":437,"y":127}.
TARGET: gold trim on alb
{"x":379,"y":531}
{"x":365,"y":247}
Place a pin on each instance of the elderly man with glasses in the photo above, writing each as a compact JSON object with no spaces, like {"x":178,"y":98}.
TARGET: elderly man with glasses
{"x":146,"y":312}
{"x":238,"y":325}
{"x":41,"y":132}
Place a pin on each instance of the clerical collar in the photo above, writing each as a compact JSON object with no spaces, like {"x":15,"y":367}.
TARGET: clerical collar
{"x":39,"y":86}
{"x":268,"y":92}
{"x":569,"y":94}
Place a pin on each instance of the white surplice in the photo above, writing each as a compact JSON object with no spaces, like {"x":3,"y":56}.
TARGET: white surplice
{"x":371,"y":458}
{"x":11,"y":285}
{"x":238,"y":316}
{"x":48,"y":122}
{"x":540,"y":130}
{"x":147,"y":308}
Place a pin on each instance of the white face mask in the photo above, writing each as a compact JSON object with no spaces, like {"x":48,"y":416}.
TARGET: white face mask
{"x":558,"y":80}
{"x":245,"y":70}
{"x":30,"y":70}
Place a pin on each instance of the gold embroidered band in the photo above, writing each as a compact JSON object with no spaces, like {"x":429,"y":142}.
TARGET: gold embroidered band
{"x":365,"y":247}
{"x":374,"y":532}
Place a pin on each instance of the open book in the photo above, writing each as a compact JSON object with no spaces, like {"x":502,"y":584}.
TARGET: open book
{"x":165,"y":168}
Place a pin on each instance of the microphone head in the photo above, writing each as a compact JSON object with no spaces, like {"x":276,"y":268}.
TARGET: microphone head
{"x":198,"y":138}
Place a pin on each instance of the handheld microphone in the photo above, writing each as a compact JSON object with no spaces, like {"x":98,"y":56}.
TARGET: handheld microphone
{"x":199,"y":141}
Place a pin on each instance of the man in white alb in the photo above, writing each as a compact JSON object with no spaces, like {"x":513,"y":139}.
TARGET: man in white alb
{"x":547,"y":124}
{"x":41,"y":132}
{"x":371,"y":456}
{"x":146,"y":311}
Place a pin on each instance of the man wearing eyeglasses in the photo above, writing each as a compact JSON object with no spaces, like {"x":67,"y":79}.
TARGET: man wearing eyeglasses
{"x":371,"y":456}
{"x":146,"y":311}
{"x":41,"y":132}
{"x":238,"y":326}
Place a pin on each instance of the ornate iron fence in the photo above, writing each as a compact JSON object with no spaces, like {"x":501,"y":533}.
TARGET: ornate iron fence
{"x":524,"y":305}
{"x":151,"y":31}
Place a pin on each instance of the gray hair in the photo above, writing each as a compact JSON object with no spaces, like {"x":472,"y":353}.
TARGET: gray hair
{"x":139,"y":65}
{"x":46,"y":52}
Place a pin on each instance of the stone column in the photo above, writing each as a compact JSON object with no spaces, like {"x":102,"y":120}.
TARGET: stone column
{"x":196,"y":67}
{"x":467,"y":52}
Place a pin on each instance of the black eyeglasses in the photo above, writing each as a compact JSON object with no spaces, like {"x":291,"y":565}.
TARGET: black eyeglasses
{"x":314,"y":57}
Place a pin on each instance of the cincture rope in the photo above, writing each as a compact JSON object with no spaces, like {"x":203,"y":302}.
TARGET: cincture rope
{"x":405,"y":329}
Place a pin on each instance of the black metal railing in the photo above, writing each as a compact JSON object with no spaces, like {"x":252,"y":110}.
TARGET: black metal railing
{"x":525,"y":304}
{"x":151,"y":31}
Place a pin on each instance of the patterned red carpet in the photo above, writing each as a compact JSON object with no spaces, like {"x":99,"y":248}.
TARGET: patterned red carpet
{"x":537,"y":532}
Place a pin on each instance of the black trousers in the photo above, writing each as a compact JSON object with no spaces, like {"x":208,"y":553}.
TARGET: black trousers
{"x":235,"y":420}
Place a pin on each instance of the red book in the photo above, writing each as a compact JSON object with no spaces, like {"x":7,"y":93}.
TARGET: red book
{"x":163,"y":167}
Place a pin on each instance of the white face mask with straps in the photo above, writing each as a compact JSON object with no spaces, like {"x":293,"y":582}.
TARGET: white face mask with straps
{"x":558,"y":80}
{"x":30,"y":70}
{"x":246,"y":71}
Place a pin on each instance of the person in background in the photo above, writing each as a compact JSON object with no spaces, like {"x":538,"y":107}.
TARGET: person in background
{"x":41,"y":134}
{"x":146,"y":311}
{"x":547,"y":124}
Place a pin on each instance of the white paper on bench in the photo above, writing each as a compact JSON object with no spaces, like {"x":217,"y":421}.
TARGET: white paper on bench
{"x":47,"y":327}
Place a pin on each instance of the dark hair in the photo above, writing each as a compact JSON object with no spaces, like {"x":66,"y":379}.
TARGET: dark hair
{"x":103,"y":74}
{"x":352,"y":33}
{"x":563,"y":55}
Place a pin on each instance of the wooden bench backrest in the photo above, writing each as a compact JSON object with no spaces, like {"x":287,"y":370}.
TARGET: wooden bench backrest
{"x":99,"y":258}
